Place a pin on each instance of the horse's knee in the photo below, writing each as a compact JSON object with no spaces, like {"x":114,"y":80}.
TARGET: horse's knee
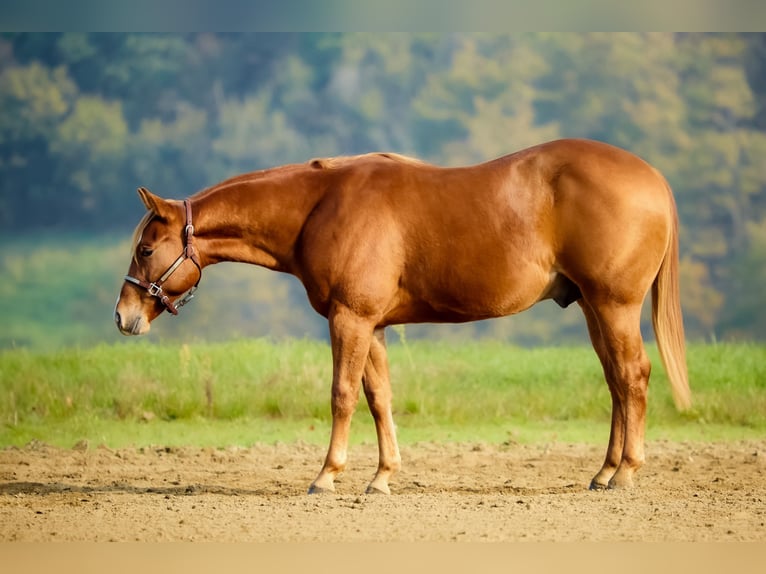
{"x":344,"y":400}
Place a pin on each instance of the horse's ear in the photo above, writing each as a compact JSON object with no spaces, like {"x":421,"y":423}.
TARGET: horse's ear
{"x":154,"y":203}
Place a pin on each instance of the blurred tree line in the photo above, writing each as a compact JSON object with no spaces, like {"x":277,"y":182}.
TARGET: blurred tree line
{"x":88,"y":117}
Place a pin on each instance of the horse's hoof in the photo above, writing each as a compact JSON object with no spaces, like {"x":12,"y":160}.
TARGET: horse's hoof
{"x":598,"y":486}
{"x":375,"y":490}
{"x":620,"y":484}
{"x":314,"y":489}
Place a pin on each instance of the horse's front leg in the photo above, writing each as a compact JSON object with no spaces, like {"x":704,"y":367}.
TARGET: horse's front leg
{"x":350,"y":336}
{"x":377,"y":389}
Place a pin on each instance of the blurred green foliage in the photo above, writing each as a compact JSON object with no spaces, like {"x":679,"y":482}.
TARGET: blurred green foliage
{"x":88,"y":117}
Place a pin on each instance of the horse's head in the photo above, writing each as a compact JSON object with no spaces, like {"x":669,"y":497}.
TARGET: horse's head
{"x":158,"y":278}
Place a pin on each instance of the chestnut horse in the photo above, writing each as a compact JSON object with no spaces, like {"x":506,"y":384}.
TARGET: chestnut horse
{"x":382,"y":239}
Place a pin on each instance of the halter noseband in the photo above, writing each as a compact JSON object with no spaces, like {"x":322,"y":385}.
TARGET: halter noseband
{"x":155,"y":288}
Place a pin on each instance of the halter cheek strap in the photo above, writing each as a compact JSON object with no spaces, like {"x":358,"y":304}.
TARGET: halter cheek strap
{"x":155,"y":288}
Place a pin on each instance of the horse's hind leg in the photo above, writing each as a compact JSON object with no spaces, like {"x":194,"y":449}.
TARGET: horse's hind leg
{"x":616,"y":335}
{"x":377,"y":389}
{"x":617,"y":433}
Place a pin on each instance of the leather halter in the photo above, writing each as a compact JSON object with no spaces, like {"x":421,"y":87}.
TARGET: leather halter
{"x":155,"y":288}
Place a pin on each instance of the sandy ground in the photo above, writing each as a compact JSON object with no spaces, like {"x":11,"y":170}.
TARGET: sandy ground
{"x":446,"y":492}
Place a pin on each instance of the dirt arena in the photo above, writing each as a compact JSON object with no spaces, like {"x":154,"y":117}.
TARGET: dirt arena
{"x":445,"y":492}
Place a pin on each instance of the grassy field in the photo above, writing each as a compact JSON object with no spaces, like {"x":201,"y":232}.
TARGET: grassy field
{"x":245,"y":392}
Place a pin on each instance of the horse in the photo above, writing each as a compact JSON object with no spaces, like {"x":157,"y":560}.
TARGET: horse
{"x":382,"y":239}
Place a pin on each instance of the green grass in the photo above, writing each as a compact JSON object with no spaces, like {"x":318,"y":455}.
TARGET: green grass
{"x":259,"y":391}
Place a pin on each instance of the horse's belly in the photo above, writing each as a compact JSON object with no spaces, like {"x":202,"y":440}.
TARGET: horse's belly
{"x":471,"y":297}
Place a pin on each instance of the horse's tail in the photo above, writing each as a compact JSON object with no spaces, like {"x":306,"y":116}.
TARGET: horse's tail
{"x":668,"y":320}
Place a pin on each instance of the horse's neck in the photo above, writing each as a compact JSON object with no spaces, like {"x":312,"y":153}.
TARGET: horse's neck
{"x":253,"y":221}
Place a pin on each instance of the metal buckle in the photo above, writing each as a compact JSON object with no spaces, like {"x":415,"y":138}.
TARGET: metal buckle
{"x":154,"y":290}
{"x":188,"y":296}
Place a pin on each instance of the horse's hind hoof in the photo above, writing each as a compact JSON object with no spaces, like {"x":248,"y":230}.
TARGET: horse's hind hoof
{"x":598,"y":486}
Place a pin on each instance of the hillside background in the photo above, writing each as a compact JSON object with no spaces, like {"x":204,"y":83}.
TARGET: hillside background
{"x":86,"y":118}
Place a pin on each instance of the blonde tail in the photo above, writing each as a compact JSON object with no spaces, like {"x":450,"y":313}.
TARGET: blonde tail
{"x":668,"y":320}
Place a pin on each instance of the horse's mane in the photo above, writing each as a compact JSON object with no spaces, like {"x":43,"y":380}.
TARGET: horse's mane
{"x":342,"y":160}
{"x":139,"y":231}
{"x":250,"y":176}
{"x":318,"y":163}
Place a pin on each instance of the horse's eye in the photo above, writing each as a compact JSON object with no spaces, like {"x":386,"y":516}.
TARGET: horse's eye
{"x":146,"y":252}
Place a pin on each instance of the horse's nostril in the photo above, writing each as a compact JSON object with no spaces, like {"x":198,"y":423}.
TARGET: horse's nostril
{"x":117,"y":318}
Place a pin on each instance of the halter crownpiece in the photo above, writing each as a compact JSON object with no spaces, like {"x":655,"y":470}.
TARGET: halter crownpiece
{"x":155,"y":288}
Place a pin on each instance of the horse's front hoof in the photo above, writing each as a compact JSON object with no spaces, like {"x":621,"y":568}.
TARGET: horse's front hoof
{"x":620,"y":484}
{"x":623,"y":478}
{"x":314,"y":489}
{"x":377,"y":490}
{"x":598,"y":485}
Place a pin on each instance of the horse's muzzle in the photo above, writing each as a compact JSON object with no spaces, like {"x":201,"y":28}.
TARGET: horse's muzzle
{"x":136,"y":326}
